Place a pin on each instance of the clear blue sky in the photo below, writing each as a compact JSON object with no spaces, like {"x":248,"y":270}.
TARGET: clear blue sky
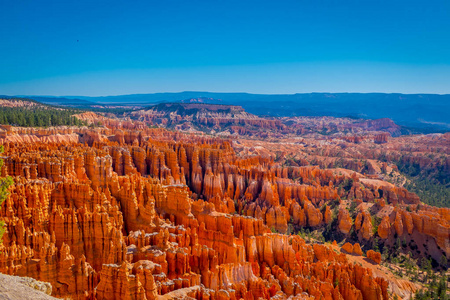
{"x":121,"y":47}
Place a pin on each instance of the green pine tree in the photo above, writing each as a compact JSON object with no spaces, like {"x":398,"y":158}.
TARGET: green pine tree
{"x":5,"y":182}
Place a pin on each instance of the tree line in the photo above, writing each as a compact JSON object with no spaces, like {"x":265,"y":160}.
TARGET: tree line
{"x":39,"y":117}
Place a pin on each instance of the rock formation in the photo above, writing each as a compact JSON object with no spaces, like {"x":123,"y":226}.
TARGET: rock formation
{"x":374,"y":256}
{"x":130,"y":212}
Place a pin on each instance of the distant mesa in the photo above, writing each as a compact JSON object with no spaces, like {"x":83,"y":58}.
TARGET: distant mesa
{"x":195,"y":107}
{"x":201,"y":100}
{"x":406,"y":110}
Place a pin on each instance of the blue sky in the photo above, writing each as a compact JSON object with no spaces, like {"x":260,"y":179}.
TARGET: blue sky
{"x":123,"y":47}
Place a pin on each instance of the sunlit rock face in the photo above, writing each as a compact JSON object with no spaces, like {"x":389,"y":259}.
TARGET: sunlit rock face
{"x":128,"y":212}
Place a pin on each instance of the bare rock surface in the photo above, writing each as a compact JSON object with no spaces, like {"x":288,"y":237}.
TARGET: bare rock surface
{"x":24,"y":288}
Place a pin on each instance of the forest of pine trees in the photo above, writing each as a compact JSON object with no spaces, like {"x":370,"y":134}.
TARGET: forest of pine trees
{"x":39,"y":116}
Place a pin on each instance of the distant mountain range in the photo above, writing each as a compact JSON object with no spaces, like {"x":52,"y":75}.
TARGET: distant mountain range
{"x":427,"y":112}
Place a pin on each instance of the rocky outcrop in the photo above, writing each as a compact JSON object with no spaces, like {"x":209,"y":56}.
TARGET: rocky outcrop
{"x":194,"y":116}
{"x":345,"y":221}
{"x":347,"y":247}
{"x":381,"y":138}
{"x":26,"y":288}
{"x":357,"y":249}
{"x":398,"y":224}
{"x":384,"y":228}
{"x":363,"y":224}
{"x":374,"y":256}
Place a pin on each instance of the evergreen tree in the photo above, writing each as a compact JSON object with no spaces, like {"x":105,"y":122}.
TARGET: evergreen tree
{"x":4,"y":184}
{"x":443,"y":262}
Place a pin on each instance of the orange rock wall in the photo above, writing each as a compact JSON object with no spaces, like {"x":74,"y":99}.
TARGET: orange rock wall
{"x":134,"y":214}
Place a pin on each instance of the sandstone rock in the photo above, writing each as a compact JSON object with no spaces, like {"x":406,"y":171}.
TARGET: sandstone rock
{"x":384,"y":228}
{"x":345,"y":221}
{"x":363,"y":222}
{"x":327,"y":216}
{"x":398,"y":223}
{"x":348,"y":247}
{"x":374,"y":256}
{"x":141,"y":213}
{"x":357,"y":249}
{"x":14,"y":287}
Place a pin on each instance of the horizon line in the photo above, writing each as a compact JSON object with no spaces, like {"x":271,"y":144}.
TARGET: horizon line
{"x":248,"y":93}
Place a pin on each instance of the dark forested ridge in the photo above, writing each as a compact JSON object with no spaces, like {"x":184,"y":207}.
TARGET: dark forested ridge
{"x":29,"y":113}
